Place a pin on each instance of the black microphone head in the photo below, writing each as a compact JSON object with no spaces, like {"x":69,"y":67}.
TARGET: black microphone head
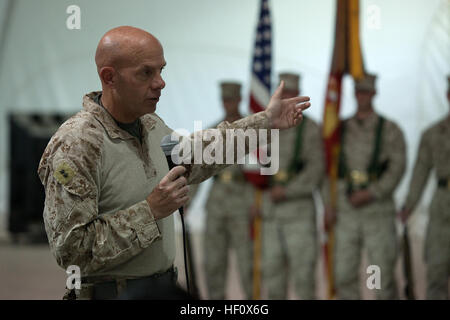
{"x":167,"y":144}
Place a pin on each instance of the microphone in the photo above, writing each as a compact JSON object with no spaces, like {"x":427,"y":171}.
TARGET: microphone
{"x":167,"y":145}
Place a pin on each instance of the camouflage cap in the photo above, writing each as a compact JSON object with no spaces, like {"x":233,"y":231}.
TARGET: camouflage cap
{"x":230,"y":90}
{"x":291,"y":80}
{"x":367,"y":83}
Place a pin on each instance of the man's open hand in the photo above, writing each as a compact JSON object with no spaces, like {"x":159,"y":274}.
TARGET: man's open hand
{"x":285,"y":113}
{"x":170,"y":194}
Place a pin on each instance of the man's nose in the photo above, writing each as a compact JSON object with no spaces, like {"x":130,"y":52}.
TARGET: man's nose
{"x":158,"y":82}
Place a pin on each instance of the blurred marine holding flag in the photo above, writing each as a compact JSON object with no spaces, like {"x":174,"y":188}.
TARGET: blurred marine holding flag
{"x":366,"y":161}
{"x":347,"y":58}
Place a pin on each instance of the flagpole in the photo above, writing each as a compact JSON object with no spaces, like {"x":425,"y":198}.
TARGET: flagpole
{"x":259,"y":98}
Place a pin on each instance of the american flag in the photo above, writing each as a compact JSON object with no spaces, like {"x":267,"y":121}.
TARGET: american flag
{"x":262,"y":61}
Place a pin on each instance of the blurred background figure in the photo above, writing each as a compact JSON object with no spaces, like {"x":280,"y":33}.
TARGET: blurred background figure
{"x":227,"y":215}
{"x":434,"y":153}
{"x":372,"y":163}
{"x":28,"y":137}
{"x":289,"y":232}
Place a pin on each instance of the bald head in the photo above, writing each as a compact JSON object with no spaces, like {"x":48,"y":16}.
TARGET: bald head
{"x":130,"y":62}
{"x":122,"y":46}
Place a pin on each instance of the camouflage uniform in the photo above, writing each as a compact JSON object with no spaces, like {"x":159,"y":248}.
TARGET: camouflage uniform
{"x":289,"y":226}
{"x":97,"y":178}
{"x":434,"y":152}
{"x":227,"y":222}
{"x":289,"y":234}
{"x":227,"y":226}
{"x":373,"y":225}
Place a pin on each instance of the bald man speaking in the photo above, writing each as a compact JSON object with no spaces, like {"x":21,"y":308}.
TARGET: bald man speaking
{"x":109,"y":192}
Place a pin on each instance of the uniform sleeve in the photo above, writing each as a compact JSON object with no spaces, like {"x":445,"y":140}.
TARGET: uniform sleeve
{"x":420,"y":174}
{"x":77,"y":233}
{"x":394,"y":143}
{"x":308,"y":180}
{"x":226,"y":136}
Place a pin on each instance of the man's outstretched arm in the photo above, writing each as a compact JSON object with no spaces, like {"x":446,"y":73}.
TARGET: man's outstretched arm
{"x":279,"y":114}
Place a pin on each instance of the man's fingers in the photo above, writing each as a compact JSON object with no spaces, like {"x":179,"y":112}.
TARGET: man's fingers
{"x":182,"y":201}
{"x":298,"y":119}
{"x":180,"y":182}
{"x":176,"y":172}
{"x":303,"y":106}
{"x":277,"y":93}
{"x":173,"y":175}
{"x":298,"y":111}
{"x":298,"y":100}
{"x":181,"y":192}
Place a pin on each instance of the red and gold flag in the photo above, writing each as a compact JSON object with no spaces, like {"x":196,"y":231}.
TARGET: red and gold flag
{"x":347,"y":59}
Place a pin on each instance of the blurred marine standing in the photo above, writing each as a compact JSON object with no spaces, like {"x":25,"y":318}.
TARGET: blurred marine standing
{"x":289,"y":232}
{"x":371,"y":165}
{"x":227,"y":220}
{"x":434,"y":152}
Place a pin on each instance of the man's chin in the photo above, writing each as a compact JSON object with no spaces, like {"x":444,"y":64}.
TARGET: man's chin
{"x":150,"y":106}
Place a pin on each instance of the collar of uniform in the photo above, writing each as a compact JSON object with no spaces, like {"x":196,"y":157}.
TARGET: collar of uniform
{"x":108,"y":122}
{"x":369,"y":122}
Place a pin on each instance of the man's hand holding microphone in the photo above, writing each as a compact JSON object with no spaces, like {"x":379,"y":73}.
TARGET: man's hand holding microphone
{"x":170,"y":194}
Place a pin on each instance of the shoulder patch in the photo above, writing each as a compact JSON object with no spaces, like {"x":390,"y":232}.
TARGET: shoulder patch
{"x":64,"y":172}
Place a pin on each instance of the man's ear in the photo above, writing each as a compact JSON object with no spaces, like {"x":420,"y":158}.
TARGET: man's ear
{"x":107,"y":76}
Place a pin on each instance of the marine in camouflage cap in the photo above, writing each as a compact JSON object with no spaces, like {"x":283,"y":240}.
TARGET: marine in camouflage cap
{"x":230,"y":90}
{"x":291,"y":81}
{"x":372,"y":163}
{"x":288,"y":208}
{"x":366,"y":84}
{"x":227,"y":209}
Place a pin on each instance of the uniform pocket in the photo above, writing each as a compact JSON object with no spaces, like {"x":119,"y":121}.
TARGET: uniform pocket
{"x":68,"y":175}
